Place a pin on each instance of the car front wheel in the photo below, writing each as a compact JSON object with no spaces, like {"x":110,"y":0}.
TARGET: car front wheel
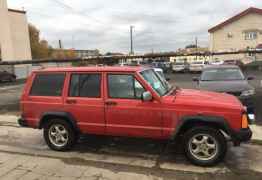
{"x":205,"y":146}
{"x":59,"y":135}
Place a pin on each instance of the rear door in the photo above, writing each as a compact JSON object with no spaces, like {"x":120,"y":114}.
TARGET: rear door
{"x":84,"y":100}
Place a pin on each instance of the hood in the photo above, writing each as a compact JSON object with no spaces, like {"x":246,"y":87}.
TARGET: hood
{"x":197,"y":98}
{"x":225,"y":86}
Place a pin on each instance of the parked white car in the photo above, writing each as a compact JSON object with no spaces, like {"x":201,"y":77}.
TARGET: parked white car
{"x":179,"y":67}
{"x":197,"y":66}
{"x":216,"y":62}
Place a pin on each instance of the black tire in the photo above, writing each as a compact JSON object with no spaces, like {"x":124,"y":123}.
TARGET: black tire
{"x":215,"y":135}
{"x":71,"y":135}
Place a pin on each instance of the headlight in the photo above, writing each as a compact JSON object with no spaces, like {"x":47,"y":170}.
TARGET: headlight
{"x":248,"y":92}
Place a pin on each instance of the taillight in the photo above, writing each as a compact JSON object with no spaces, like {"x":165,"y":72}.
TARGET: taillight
{"x":244,"y":120}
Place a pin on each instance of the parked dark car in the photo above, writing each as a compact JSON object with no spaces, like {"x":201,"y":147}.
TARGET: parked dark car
{"x":228,"y":79}
{"x":165,"y":66}
{"x":7,"y":77}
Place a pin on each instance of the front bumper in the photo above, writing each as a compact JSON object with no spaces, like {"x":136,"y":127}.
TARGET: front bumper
{"x":179,"y":69}
{"x":243,"y":135}
{"x":22,"y":122}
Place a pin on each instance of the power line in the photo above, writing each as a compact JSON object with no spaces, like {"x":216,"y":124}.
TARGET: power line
{"x":74,"y":11}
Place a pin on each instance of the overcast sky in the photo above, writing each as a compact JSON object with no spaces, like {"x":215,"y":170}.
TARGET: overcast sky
{"x":160,"y":25}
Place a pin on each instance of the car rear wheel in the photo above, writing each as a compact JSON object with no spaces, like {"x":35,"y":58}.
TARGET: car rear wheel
{"x":205,"y":146}
{"x":59,"y":135}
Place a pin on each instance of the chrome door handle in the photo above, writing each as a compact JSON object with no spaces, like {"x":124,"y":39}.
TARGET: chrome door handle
{"x":110,"y":103}
{"x":71,"y":101}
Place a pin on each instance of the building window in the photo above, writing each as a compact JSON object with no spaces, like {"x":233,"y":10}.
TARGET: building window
{"x":229,"y":35}
{"x":250,"y":35}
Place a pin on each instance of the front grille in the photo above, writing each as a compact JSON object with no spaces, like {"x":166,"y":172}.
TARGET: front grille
{"x":234,"y":93}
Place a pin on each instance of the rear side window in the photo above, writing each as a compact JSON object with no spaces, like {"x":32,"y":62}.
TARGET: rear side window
{"x":48,"y":85}
{"x":85,"y":85}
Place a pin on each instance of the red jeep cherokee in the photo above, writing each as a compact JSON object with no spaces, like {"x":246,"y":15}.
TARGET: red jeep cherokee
{"x":133,"y":102}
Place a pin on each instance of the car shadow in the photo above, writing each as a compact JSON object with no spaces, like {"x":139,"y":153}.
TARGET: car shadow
{"x":160,"y":150}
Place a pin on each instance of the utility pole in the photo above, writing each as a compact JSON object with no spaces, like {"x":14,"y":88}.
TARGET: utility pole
{"x":131,"y":40}
{"x":60,"y":44}
{"x":196,"y":47}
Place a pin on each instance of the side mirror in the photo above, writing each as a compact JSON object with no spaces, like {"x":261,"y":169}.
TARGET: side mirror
{"x":250,"y":78}
{"x":196,"y":79}
{"x":147,"y":96}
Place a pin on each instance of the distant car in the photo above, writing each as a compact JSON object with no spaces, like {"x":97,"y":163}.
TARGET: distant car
{"x":196,"y":66}
{"x":180,"y":67}
{"x":217,"y":62}
{"x":163,"y":65}
{"x":7,"y":77}
{"x":228,"y":79}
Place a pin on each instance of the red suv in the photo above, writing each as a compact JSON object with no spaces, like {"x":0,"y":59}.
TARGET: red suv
{"x":133,"y":102}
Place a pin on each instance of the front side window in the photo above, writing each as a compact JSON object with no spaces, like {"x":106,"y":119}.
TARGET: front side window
{"x":124,"y":86}
{"x":48,"y":85}
{"x":160,"y":85}
{"x":85,"y":85}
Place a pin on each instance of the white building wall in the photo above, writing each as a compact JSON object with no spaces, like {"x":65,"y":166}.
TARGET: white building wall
{"x":20,"y":36}
{"x":14,"y":34}
{"x":6,"y":42}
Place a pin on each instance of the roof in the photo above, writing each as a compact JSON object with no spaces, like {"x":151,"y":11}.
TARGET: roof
{"x":235,"y":18}
{"x":95,"y":69}
{"x":221,"y":66}
{"x":17,"y":11}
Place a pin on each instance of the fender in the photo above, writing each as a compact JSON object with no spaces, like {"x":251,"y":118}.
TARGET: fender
{"x":206,"y":119}
{"x":65,"y":115}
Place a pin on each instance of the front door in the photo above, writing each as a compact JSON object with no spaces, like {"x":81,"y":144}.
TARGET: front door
{"x":126,"y":113}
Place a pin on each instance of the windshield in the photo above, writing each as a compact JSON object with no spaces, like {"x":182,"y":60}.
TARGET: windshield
{"x":157,"y":82}
{"x":227,"y":74}
{"x":161,"y":74}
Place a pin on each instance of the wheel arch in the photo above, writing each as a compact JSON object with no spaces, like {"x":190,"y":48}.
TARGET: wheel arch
{"x":47,"y":116}
{"x":187,"y":122}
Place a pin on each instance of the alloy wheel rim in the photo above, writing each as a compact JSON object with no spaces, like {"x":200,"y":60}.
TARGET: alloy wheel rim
{"x":203,"y":147}
{"x":58,"y":135}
